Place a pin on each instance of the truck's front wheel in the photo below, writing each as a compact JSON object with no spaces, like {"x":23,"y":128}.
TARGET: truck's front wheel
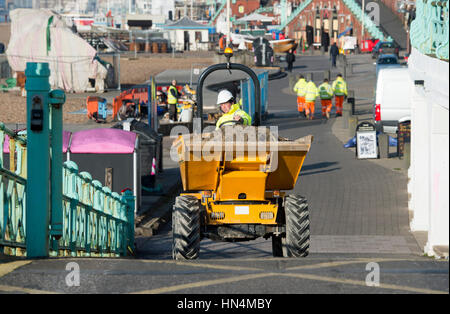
{"x":186,"y":228}
{"x":297,"y":226}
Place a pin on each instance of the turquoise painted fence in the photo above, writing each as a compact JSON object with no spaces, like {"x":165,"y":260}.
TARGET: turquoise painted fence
{"x":48,"y":208}
{"x":12,"y":193}
{"x":294,"y":14}
{"x":218,"y":11}
{"x":96,"y":221}
{"x":429,"y":31}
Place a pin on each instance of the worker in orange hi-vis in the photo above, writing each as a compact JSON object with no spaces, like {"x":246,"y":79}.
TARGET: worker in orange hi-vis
{"x":326,"y":95}
{"x":222,"y":41}
{"x":300,"y":89}
{"x":310,"y":98}
{"x":340,"y":92}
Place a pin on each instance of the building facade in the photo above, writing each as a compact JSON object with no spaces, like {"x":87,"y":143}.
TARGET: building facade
{"x":332,"y":17}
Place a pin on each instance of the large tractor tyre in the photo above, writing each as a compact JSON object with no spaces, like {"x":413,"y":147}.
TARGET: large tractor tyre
{"x":297,"y":226}
{"x":186,"y":228}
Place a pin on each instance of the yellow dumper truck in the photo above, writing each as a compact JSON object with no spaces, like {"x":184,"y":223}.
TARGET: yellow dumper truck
{"x":234,"y":181}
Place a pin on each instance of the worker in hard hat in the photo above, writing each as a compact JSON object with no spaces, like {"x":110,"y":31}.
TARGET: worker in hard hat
{"x":232,"y":114}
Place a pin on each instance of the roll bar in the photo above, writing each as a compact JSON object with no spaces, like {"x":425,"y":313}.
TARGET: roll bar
{"x":229,"y":66}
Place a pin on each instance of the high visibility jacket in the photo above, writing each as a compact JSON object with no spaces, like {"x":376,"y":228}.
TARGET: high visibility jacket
{"x":325,"y":91}
{"x":311,"y":92}
{"x":172,"y":100}
{"x":240,"y":103}
{"x":229,"y":116}
{"x":340,"y":87}
{"x":300,"y":87}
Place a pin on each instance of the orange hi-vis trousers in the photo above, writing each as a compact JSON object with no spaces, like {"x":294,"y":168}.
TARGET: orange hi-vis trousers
{"x":326,"y":106}
{"x":300,"y":103}
{"x":309,"y":107}
{"x":339,"y":101}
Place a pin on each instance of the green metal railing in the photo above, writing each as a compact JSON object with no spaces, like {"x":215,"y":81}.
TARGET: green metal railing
{"x":47,"y":208}
{"x":429,"y":30}
{"x":264,"y":10}
{"x":294,"y":14}
{"x":369,"y":25}
{"x":96,"y":221}
{"x":216,"y":14}
{"x":12,"y":193}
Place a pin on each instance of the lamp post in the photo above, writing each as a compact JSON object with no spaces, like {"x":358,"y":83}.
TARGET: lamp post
{"x":362,"y":18}
{"x":228,"y":23}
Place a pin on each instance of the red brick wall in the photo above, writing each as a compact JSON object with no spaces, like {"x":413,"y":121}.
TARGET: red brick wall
{"x":249,"y":7}
{"x":345,"y":18}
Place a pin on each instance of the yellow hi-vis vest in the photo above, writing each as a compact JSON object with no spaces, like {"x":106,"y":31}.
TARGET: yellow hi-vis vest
{"x":340,"y":87}
{"x":229,"y":116}
{"x":311,"y":92}
{"x":171,"y":100}
{"x":325,"y":91}
{"x":300,"y":87}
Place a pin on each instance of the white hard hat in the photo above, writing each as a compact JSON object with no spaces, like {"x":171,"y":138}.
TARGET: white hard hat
{"x":224,"y":96}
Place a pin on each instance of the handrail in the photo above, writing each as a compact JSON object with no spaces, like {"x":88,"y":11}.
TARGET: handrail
{"x":216,"y":14}
{"x":264,"y":10}
{"x":429,"y":30}
{"x":295,"y":13}
{"x":369,"y":25}
{"x":12,"y":194}
{"x":96,"y":222}
{"x":12,"y":134}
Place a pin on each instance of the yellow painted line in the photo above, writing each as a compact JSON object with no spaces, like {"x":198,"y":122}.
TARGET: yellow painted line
{"x":24,"y":290}
{"x":222,"y":267}
{"x":205,"y":283}
{"x":6,"y":268}
{"x":362,"y":283}
{"x":341,"y":263}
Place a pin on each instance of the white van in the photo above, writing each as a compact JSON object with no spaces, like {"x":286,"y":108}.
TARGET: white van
{"x":392,"y":98}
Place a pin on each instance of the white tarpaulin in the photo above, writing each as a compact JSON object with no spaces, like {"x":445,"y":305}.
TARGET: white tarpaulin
{"x":256,"y":17}
{"x":42,"y":36}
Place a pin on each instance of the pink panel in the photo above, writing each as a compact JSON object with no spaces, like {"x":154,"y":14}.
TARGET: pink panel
{"x":6,"y":144}
{"x":103,"y":141}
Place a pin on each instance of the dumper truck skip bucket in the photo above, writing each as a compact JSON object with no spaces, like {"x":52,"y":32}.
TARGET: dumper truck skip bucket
{"x":234,"y":180}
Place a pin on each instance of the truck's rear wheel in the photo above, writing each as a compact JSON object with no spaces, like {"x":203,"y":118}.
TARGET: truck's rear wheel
{"x":186,"y":228}
{"x":297,"y":226}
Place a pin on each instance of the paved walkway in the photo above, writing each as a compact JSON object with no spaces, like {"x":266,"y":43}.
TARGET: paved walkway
{"x":356,"y":205}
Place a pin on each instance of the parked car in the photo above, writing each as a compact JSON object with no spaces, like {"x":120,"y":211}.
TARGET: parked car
{"x":385,"y":47}
{"x":387,"y":61}
{"x":392,"y":98}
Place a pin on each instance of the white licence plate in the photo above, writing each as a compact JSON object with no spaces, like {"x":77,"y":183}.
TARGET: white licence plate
{"x":241,"y":210}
